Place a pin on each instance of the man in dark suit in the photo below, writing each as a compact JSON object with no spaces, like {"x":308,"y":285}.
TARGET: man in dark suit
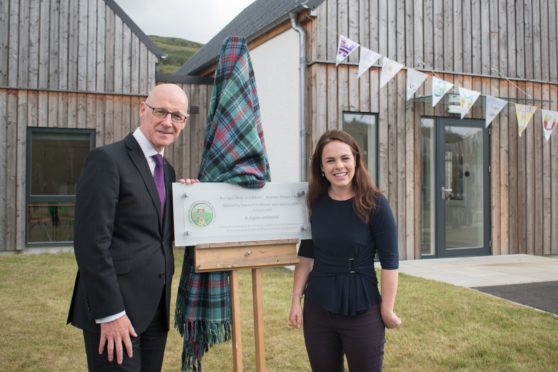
{"x":123,"y":241}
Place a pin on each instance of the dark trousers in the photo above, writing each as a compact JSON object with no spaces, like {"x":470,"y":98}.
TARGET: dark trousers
{"x":148,"y":348}
{"x":329,"y":336}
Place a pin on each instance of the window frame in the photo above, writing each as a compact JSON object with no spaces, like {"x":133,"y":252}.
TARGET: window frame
{"x":29,"y":198}
{"x":375,"y":175}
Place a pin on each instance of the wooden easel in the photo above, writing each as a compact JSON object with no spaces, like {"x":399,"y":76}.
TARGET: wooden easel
{"x":246,"y":255}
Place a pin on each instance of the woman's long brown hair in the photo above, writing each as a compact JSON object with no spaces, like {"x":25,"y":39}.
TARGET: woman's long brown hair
{"x":318,"y":185}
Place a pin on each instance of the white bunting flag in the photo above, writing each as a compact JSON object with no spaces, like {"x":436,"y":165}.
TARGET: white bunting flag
{"x":493,"y":107}
{"x":414,"y":81}
{"x":439,"y":89}
{"x":467,"y":99}
{"x":549,"y":120}
{"x":346,"y":46}
{"x":367,"y":60}
{"x":524,"y":114}
{"x":390,"y":68}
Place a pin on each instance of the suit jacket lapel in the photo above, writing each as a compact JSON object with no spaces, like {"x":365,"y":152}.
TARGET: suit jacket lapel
{"x":138,"y":158}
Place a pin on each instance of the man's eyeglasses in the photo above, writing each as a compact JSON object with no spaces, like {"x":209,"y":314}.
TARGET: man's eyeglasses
{"x":161,"y":113}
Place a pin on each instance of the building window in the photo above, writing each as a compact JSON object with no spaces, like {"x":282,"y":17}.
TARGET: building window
{"x":363,"y":127}
{"x":55,"y":158}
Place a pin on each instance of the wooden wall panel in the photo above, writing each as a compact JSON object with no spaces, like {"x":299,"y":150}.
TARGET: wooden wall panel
{"x":3,"y":168}
{"x":488,"y":38}
{"x":91,"y":40}
{"x":33,"y":46}
{"x":4,"y":41}
{"x":75,"y":45}
{"x":523,"y":197}
{"x":10,"y":181}
{"x":63,"y":45}
{"x":553,"y":144}
{"x":491,"y":87}
{"x":54,"y":32}
{"x":552,"y":10}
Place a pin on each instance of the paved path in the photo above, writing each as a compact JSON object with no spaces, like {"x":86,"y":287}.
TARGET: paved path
{"x":485,"y":270}
{"x":523,"y":279}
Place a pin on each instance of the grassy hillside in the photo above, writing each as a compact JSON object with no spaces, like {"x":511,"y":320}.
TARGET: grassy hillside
{"x":177,"y":51}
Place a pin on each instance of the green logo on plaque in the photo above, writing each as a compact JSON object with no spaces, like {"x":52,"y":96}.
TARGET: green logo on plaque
{"x":201,"y":214}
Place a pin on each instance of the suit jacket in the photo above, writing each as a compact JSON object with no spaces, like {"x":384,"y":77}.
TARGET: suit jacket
{"x":122,"y":245}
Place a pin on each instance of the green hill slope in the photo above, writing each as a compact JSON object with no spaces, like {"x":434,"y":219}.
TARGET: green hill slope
{"x":177,"y":51}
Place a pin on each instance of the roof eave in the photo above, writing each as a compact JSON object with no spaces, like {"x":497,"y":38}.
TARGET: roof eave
{"x":135,"y":29}
{"x":210,"y":64}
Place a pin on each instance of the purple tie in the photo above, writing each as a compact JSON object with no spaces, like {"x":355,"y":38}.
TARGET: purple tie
{"x":159,"y":179}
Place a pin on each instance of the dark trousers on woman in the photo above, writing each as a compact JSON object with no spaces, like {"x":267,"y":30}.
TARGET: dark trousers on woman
{"x":329,"y":336}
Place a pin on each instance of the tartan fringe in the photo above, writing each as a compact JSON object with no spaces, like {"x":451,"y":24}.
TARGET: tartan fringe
{"x":194,"y":349}
{"x":199,"y":336}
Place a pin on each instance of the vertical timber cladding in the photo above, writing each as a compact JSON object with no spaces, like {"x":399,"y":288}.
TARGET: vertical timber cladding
{"x":64,"y":64}
{"x":481,"y":39}
{"x":112,"y":116}
{"x":185,"y":154}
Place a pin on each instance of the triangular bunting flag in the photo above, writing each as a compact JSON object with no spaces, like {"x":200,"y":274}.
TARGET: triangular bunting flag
{"x":549,"y":120}
{"x":439,"y":89}
{"x":467,"y":99}
{"x":390,"y":68}
{"x":414,"y":81}
{"x":367,"y":60}
{"x":524,"y":114}
{"x":346,"y":46}
{"x":493,"y":107}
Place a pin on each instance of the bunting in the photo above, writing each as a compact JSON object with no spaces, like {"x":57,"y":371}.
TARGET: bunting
{"x":524,"y":114}
{"x":467,"y":99}
{"x":439,"y":89}
{"x":549,"y":120}
{"x":367,"y":59}
{"x":493,"y":107}
{"x":414,"y":81}
{"x":390,"y":68}
{"x":345,"y":48}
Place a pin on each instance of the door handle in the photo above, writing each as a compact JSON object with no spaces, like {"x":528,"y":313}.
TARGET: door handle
{"x":446,"y":193}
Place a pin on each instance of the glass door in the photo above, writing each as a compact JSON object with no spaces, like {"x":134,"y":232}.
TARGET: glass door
{"x":455,"y":182}
{"x":463,"y":188}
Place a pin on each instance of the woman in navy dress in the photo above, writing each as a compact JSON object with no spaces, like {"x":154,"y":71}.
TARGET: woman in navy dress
{"x":344,"y":313}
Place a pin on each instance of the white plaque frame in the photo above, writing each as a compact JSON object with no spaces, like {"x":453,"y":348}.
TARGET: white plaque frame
{"x":210,"y":212}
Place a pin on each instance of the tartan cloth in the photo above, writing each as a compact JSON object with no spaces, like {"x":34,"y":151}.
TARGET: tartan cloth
{"x":234,"y":152}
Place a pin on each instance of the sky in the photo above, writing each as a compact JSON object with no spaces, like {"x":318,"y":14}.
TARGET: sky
{"x":194,"y":20}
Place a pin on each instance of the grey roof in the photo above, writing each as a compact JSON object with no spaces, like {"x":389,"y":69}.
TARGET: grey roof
{"x":135,"y":29}
{"x":256,"y":19}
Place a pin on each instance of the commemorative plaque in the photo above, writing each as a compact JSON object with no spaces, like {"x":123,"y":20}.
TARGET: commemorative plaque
{"x":207,"y":213}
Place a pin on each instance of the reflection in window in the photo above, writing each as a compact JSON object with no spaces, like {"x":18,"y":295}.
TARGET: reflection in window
{"x":362,"y":126}
{"x":55,"y":158}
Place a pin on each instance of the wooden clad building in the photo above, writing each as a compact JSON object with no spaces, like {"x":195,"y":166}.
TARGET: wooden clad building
{"x":456,"y":187}
{"x":72,"y":75}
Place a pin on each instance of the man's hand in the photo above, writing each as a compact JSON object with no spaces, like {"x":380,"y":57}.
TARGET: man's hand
{"x":113,"y":334}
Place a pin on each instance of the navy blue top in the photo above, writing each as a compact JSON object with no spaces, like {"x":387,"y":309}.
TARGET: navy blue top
{"x":343,"y":279}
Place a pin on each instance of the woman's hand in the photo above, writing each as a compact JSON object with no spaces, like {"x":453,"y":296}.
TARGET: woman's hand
{"x":391,"y":320}
{"x":295,"y":316}
{"x":188,"y":181}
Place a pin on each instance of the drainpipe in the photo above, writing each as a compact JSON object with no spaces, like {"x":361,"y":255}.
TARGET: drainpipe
{"x":303,"y":104}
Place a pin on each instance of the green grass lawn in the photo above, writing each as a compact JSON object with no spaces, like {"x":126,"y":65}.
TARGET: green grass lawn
{"x":445,"y":328}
